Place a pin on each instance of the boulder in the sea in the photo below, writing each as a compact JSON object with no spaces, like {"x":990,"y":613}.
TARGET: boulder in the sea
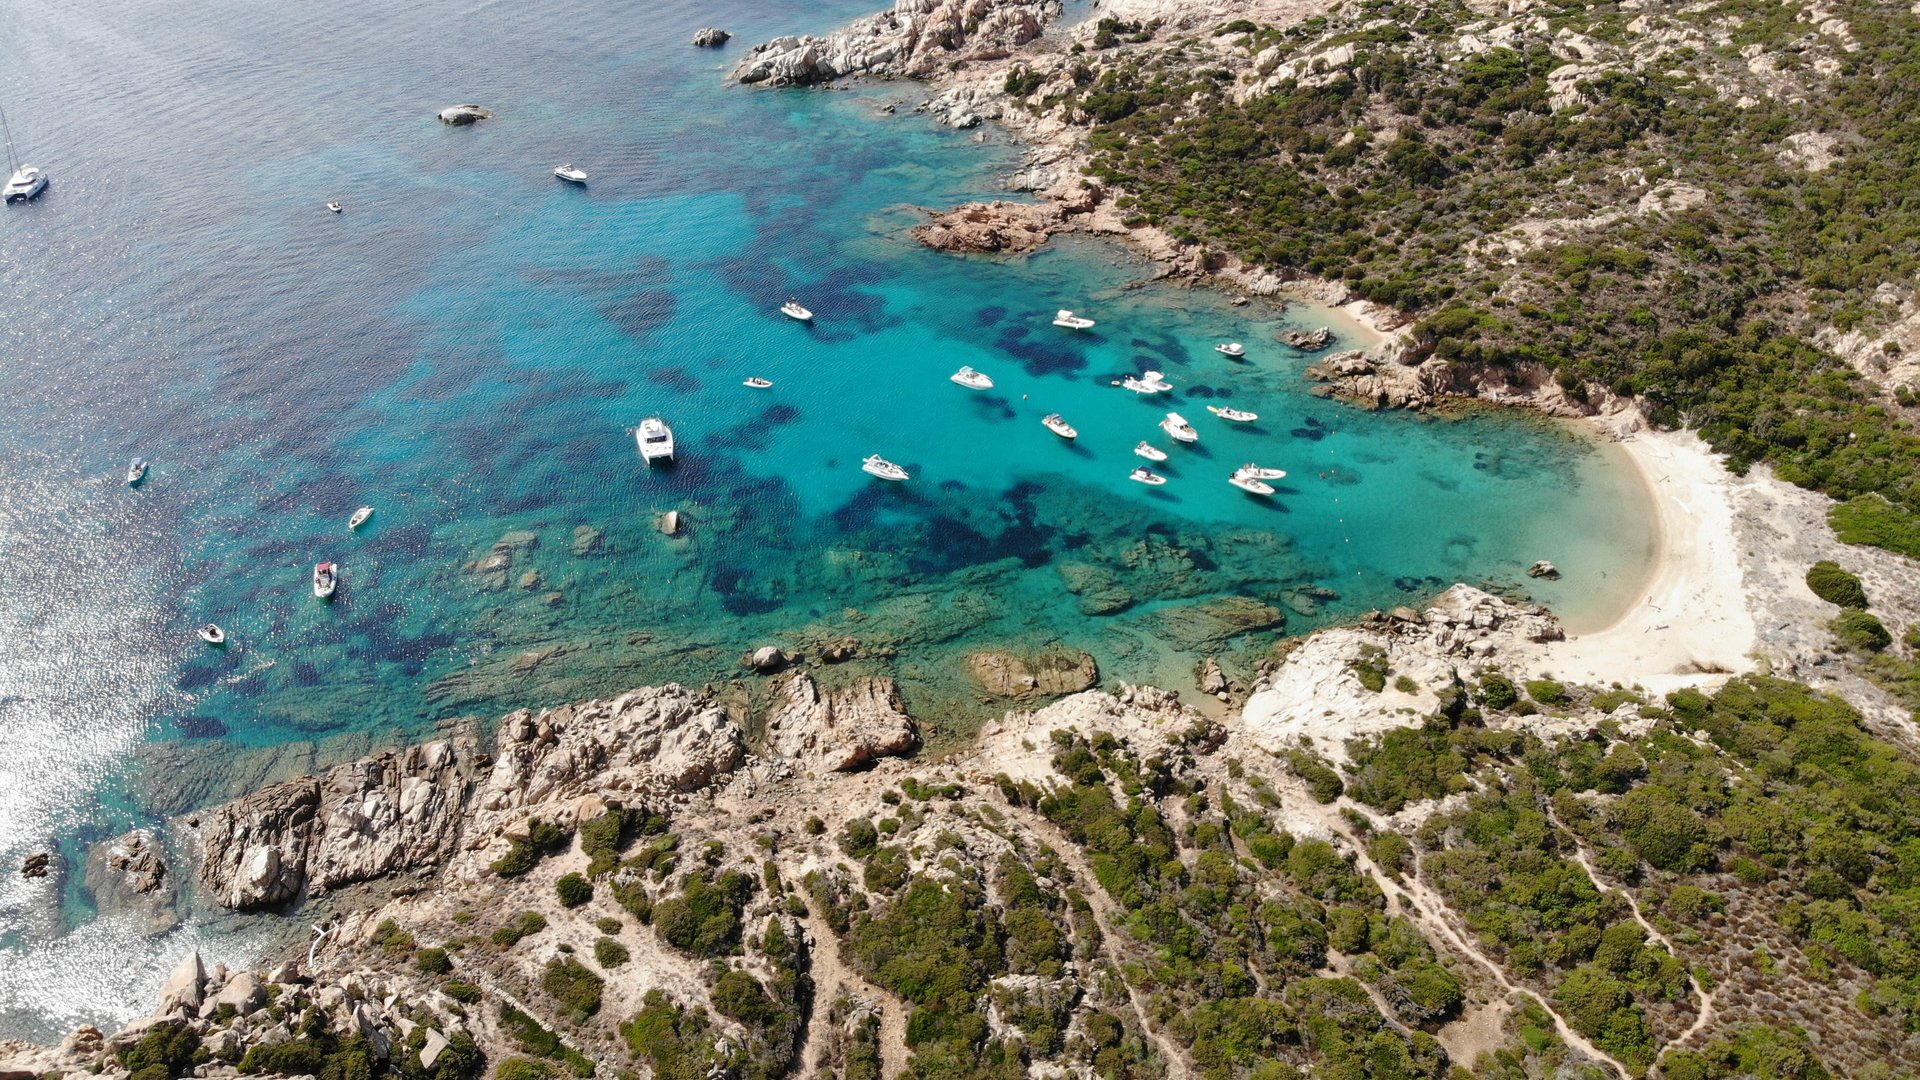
{"x":839,"y":652}
{"x":841,"y":729}
{"x":128,"y":878}
{"x":994,"y":227}
{"x":1211,"y":679}
{"x":670,"y":523}
{"x":37,"y":865}
{"x":768,"y":658}
{"x":1052,"y":673}
{"x":709,"y":37}
{"x":1543,"y":569}
{"x":462,"y":115}
{"x":1309,"y":340}
{"x":1098,"y":588}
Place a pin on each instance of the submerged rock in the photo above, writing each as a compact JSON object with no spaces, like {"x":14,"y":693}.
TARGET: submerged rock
{"x":462,"y":115}
{"x":1543,"y":569}
{"x":1208,"y":626}
{"x":586,"y":540}
{"x":841,"y":729}
{"x":1051,"y":674}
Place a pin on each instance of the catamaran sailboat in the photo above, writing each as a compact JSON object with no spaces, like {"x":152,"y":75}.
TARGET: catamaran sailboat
{"x":24,"y":182}
{"x":1151,"y":382}
{"x":655,"y":439}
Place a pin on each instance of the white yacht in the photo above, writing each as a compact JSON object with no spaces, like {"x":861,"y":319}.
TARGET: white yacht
{"x":1238,"y":416}
{"x":875,"y":465}
{"x":1252,"y":485}
{"x":757,"y":383}
{"x":572,"y":174}
{"x":1150,"y":382}
{"x":212,"y":634}
{"x":792,"y":310}
{"x":1071,"y":321}
{"x":971,"y":379}
{"x":326,"y":578}
{"x":136,"y":471}
{"x":335,"y":207}
{"x":1231,"y":348}
{"x":1176,"y":426}
{"x":1150,"y":452}
{"x":1058,"y":425}
{"x":1259,"y":473}
{"x":25,"y":181}
{"x":1146,"y":476}
{"x":359,"y":517}
{"x":655,"y":439}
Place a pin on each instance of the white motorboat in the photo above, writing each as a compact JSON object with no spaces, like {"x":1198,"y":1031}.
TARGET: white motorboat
{"x":359,"y":517}
{"x":25,"y":181}
{"x":1150,"y":452}
{"x":572,"y":174}
{"x":1058,"y":425}
{"x":971,"y":379}
{"x":326,"y":578}
{"x":335,"y":207}
{"x":1071,"y":321}
{"x":758,"y":383}
{"x":792,"y":310}
{"x":1150,"y":382}
{"x":213,"y":635}
{"x":1146,"y":476}
{"x":136,"y":471}
{"x":1253,"y":485}
{"x":655,"y":439}
{"x":1238,"y":416}
{"x":875,"y":465}
{"x":1231,"y":348}
{"x":1176,"y":426}
{"x":1259,"y":473}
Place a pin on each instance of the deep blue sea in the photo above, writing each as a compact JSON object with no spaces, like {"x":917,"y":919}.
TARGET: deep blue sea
{"x":466,"y":349}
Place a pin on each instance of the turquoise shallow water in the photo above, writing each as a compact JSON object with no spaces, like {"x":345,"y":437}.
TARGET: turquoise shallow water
{"x":467,"y":348}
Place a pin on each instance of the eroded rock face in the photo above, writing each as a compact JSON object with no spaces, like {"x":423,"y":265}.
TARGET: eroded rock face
{"x":393,"y":811}
{"x":841,"y":729}
{"x":127,"y":877}
{"x":1049,"y":675}
{"x":914,"y":39}
{"x":994,"y":227}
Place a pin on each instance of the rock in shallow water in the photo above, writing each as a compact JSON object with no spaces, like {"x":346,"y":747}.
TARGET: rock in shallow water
{"x":711,"y":37}
{"x":127,"y":877}
{"x":1051,"y":674}
{"x":462,"y":115}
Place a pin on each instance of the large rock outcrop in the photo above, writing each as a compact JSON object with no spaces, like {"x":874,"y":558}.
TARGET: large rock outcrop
{"x":915,"y":39}
{"x":841,"y":729}
{"x":993,"y":227}
{"x":390,"y":812}
{"x":128,"y":878}
{"x":1050,"y":674}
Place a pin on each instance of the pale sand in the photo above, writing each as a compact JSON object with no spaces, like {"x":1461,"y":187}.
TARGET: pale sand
{"x":1689,"y":623}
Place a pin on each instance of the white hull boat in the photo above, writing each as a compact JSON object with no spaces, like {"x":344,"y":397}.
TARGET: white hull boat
{"x":1238,"y":416}
{"x":1177,"y":427}
{"x":359,"y":517}
{"x":572,"y":174}
{"x":1252,"y":485}
{"x":1231,"y":348}
{"x":1058,"y":425}
{"x":655,"y":439}
{"x":875,"y":465}
{"x":1152,"y":382}
{"x":335,"y":207}
{"x":971,"y":379}
{"x":1071,"y":321}
{"x":326,"y":578}
{"x":136,"y":471}
{"x":1150,"y":452}
{"x":1144,"y":475}
{"x":213,"y":635}
{"x":792,"y":310}
{"x":27,"y":182}
{"x":758,"y":383}
{"x":1259,"y":473}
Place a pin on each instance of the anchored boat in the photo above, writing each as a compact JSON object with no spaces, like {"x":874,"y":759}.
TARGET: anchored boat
{"x":1058,"y":425}
{"x":1146,"y":476}
{"x":1150,"y":452}
{"x":875,"y":465}
{"x":1176,"y":426}
{"x":792,"y":310}
{"x":1071,"y":321}
{"x":326,"y":578}
{"x":971,"y":379}
{"x":1238,"y":416}
{"x":655,"y":439}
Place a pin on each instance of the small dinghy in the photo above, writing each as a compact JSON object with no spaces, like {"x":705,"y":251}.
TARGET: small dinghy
{"x":359,"y":517}
{"x":1058,"y":425}
{"x":1259,"y":473}
{"x":572,"y":174}
{"x":335,"y":207}
{"x":792,"y":310}
{"x":1151,"y":382}
{"x":1231,"y":348}
{"x":213,"y":635}
{"x":136,"y":471}
{"x":655,"y":439}
{"x":1144,"y":475}
{"x":1176,"y":426}
{"x":1071,"y":321}
{"x":875,"y":465}
{"x":1252,"y":485}
{"x":758,"y":383}
{"x":1150,"y":452}
{"x":971,"y":379}
{"x":326,"y":578}
{"x":1238,"y":416}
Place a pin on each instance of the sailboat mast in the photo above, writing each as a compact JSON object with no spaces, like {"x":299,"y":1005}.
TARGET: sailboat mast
{"x":6,"y":128}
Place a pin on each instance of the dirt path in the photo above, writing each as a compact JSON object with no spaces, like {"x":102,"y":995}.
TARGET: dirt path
{"x":1174,"y":1062}
{"x":831,"y":976}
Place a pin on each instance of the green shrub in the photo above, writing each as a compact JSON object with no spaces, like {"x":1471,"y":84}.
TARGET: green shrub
{"x":1836,"y":586}
{"x":464,"y":992}
{"x":165,"y":1051}
{"x":1860,"y":631}
{"x":526,"y":924}
{"x":859,"y":838}
{"x":433,"y":961}
{"x":1546,"y":691}
{"x":609,"y":953}
{"x":608,"y":925}
{"x":573,"y":890}
{"x":523,"y":1069}
{"x":1497,"y":691}
{"x":1325,"y":784}
{"x":573,"y":986}
{"x":704,"y":919}
{"x":392,"y":940}
{"x":1405,"y":685}
{"x":543,"y":838}
{"x":1870,"y":519}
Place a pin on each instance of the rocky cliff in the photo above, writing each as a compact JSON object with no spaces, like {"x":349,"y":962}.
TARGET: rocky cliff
{"x":915,"y":39}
